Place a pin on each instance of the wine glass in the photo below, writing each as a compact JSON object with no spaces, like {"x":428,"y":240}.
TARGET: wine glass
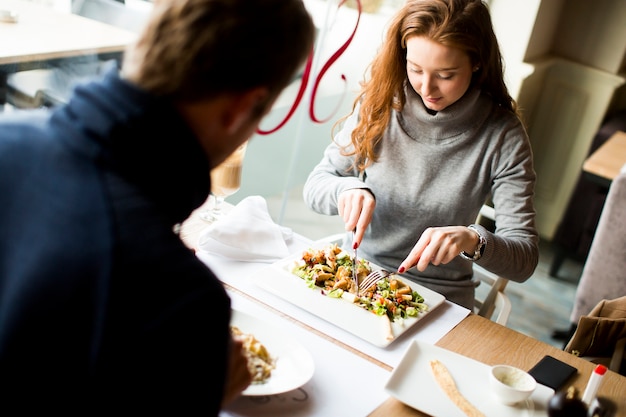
{"x":225,"y":181}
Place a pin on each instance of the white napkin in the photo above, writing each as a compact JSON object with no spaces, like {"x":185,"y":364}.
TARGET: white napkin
{"x":247,"y":233}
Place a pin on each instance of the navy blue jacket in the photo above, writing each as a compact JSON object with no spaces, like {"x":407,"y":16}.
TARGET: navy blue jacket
{"x":101,"y":304}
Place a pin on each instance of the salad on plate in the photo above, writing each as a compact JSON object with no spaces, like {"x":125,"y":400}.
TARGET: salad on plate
{"x":329,"y":269}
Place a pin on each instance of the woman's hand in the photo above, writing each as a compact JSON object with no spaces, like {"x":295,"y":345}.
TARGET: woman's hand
{"x":440,"y":245}
{"x":238,"y":377}
{"x":356,"y":207}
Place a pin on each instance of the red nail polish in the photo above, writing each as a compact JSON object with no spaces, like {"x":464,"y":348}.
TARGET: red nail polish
{"x":401,"y":270}
{"x":355,"y":245}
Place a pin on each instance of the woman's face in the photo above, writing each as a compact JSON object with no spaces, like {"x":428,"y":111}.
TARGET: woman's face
{"x":438,"y":73}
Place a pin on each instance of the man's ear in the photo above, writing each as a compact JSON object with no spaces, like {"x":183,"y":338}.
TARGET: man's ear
{"x":244,"y":107}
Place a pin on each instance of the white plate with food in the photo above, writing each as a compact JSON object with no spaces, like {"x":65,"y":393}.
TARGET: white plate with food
{"x":367,"y":316}
{"x":290,"y":364}
{"x":414,"y":383}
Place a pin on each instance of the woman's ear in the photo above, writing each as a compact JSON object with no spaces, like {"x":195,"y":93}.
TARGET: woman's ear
{"x":244,"y":108}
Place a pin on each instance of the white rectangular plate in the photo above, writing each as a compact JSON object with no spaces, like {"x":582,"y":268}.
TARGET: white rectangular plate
{"x":413,"y":383}
{"x":279,"y":280}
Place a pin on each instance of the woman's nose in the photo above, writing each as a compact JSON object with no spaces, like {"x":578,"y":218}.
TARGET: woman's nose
{"x":427,"y":85}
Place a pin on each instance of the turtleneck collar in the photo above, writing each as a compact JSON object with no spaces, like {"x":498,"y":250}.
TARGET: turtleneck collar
{"x":458,"y":118}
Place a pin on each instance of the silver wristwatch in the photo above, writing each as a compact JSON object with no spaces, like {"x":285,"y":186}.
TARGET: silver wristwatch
{"x":482,"y":241}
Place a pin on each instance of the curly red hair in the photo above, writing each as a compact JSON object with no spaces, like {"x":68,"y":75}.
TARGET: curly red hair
{"x":461,"y":24}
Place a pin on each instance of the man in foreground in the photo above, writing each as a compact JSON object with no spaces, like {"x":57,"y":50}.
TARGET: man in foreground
{"x":102,"y":307}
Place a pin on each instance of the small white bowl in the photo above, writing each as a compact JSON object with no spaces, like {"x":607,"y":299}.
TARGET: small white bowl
{"x":511,"y":385}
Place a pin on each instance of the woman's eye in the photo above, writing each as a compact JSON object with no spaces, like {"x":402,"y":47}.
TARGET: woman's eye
{"x":446,"y":76}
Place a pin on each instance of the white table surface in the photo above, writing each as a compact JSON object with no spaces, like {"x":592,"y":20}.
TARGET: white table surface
{"x":43,"y":33}
{"x":338,"y":355}
{"x":332,"y":391}
{"x":430,"y":329}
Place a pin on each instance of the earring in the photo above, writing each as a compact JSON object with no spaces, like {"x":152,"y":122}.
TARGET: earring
{"x":476,"y":68}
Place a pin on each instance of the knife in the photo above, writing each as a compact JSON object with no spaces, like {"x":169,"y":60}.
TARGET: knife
{"x":355,"y":279}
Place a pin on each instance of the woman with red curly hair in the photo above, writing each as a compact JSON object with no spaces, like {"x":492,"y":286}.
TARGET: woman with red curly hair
{"x":434,"y":134}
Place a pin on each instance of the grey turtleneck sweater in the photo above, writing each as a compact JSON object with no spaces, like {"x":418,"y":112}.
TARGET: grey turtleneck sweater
{"x":438,"y":170}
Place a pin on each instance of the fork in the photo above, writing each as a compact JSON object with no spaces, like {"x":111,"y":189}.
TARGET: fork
{"x":373,"y":278}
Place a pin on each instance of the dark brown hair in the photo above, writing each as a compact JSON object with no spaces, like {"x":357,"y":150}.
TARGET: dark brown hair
{"x":196,"y":49}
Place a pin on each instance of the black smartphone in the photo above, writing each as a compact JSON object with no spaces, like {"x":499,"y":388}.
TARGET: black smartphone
{"x":551,"y":372}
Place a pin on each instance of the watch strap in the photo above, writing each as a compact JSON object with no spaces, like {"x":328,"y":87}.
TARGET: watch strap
{"x":480,"y":248}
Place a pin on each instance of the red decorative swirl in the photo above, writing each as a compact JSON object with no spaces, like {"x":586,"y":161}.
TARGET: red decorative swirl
{"x":305,"y":79}
{"x":327,"y":66}
{"x":294,"y":106}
